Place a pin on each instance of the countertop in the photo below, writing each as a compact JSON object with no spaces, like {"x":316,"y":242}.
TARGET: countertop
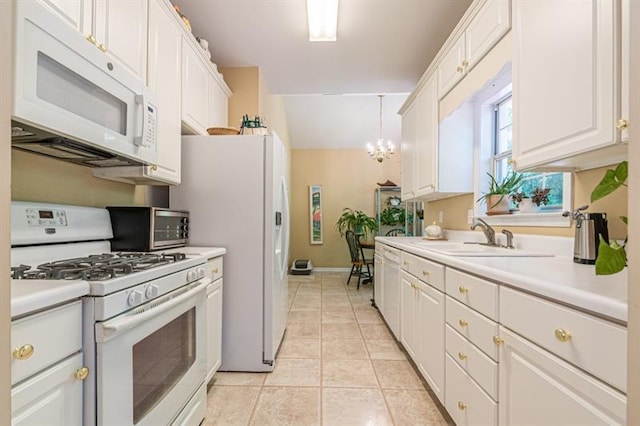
{"x":556,"y":278}
{"x":208,"y":252}
{"x":33,"y":295}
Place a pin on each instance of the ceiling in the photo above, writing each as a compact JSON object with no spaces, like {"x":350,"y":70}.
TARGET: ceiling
{"x":383,"y":46}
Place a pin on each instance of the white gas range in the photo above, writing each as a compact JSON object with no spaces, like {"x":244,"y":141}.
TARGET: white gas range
{"x":143,"y":320}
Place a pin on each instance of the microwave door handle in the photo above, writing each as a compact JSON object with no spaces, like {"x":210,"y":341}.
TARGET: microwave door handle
{"x":141,"y":120}
{"x":110,"y":329}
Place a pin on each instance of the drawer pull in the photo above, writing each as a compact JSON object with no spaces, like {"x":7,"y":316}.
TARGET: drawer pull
{"x":462,"y":356}
{"x":102,"y":47}
{"x":23,"y":352}
{"x":215,"y":271}
{"x":459,"y":68}
{"x":498,"y":340}
{"x":622,"y":124}
{"x":562,"y":335}
{"x":405,"y":263}
{"x":462,"y":406}
{"x":426,"y":273}
{"x":462,"y":289}
{"x":463,"y":323}
{"x":414,"y":285}
{"x":81,"y":373}
{"x":91,"y":39}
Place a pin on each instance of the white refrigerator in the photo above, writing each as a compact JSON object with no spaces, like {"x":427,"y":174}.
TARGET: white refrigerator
{"x":236,"y":191}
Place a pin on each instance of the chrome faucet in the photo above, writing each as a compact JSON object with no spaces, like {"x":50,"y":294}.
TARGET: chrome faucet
{"x":488,"y":231}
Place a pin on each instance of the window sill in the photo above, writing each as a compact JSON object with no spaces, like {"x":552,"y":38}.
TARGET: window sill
{"x":554,"y":219}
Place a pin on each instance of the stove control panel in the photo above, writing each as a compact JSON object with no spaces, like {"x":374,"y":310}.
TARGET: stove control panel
{"x":46,"y":218}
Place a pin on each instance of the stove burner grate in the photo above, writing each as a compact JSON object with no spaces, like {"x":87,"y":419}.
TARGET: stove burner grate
{"x":96,"y":267}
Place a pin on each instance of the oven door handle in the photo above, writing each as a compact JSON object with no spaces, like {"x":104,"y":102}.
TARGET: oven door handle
{"x":112,"y":328}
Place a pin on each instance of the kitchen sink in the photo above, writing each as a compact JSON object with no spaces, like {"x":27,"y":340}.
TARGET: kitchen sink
{"x":477,"y":250}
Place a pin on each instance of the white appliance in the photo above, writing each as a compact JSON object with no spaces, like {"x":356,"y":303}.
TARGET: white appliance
{"x":144,"y":319}
{"x":72,"y":102}
{"x":235,"y":189}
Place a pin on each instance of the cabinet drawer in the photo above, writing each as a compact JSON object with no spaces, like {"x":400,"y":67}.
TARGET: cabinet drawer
{"x":465,"y":401}
{"x":53,"y":334}
{"x":473,"y":361}
{"x":214,"y":268}
{"x":593,"y":344}
{"x":425,"y":270}
{"x":477,"y":293}
{"x":393,"y":255}
{"x":478,"y":329}
{"x":379,"y":249}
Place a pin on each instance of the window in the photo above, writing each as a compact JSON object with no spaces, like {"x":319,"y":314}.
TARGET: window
{"x":501,"y":159}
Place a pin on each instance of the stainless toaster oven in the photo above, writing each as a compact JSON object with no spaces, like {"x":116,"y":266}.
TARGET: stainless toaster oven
{"x":148,"y":228}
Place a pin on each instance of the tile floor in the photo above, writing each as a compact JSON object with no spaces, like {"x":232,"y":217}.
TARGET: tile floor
{"x":338,"y":365}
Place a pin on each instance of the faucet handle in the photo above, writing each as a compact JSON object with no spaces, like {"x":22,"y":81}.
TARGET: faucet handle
{"x":509,"y":236}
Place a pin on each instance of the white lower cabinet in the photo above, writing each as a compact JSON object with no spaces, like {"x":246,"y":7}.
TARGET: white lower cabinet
{"x":465,"y":400}
{"x":214,"y":317}
{"x":408,"y":310}
{"x":430,"y":338}
{"x":53,"y":397}
{"x":538,"y":388}
{"x":46,"y":367}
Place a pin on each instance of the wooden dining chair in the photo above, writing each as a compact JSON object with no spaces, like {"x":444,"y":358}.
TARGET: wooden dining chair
{"x":358,"y":259}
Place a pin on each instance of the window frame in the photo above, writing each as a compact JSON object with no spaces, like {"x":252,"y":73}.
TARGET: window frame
{"x":485,"y":130}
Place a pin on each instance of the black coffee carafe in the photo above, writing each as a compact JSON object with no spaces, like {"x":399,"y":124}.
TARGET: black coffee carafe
{"x":589,"y":228}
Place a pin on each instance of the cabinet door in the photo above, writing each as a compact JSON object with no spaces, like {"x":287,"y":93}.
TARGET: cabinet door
{"x":214,"y":328}
{"x":625,"y":28}
{"x":195,"y":92}
{"x":539,"y":388}
{"x":76,"y":13}
{"x":564,"y":71}
{"x":165,"y":43}
{"x":407,"y":313}
{"x":378,"y":286}
{"x":427,"y":138}
{"x":53,"y":397}
{"x":408,"y":129}
{"x":121,"y":28}
{"x":485,"y":30}
{"x":430,"y":347}
{"x":218,"y":105}
{"x":451,"y":68}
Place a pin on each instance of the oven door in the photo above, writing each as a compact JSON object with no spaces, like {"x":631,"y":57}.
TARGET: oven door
{"x":152,"y":359}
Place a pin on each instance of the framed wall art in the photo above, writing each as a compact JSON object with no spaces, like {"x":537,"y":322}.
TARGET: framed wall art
{"x":315,"y":213}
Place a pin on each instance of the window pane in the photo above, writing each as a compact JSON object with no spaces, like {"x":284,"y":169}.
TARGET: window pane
{"x":504,"y":113}
{"x":553,"y":181}
{"x":504,"y":140}
{"x":502,"y":168}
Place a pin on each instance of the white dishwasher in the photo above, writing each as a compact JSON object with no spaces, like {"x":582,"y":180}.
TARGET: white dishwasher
{"x":391,"y":293}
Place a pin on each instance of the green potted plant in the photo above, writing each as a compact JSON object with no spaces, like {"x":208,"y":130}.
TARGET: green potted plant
{"x":356,"y":221}
{"x":393,"y":215}
{"x":528,"y":203}
{"x":497,"y":197}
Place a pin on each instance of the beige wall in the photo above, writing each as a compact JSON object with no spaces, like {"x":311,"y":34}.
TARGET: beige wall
{"x":348,"y":179}
{"x":251,"y":96}
{"x":615,"y":205}
{"x":6,"y":37}
{"x":38,"y":178}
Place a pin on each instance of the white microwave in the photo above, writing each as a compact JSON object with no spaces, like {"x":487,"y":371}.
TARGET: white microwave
{"x":74,"y":103}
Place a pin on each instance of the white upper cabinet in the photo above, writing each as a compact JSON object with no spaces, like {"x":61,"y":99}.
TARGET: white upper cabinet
{"x":195,"y":92}
{"x":451,"y":68}
{"x":626,"y":64}
{"x":120,"y":30}
{"x":408,"y":129}
{"x":566,"y":76}
{"x":165,"y":63}
{"x":486,"y":28}
{"x":218,"y":105}
{"x":116,"y":27}
{"x":426,"y":138}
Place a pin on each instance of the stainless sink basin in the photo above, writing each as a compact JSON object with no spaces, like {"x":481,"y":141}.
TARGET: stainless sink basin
{"x":477,"y":250}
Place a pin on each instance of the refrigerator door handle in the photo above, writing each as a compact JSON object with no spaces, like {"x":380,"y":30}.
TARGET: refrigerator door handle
{"x":285,"y":227}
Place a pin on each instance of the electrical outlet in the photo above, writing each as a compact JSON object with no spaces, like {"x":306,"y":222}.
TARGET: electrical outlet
{"x":440,"y":217}
{"x":469,"y":216}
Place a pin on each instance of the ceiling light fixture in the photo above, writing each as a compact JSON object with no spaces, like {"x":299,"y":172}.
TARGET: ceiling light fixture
{"x":380,"y":151}
{"x":323,"y":19}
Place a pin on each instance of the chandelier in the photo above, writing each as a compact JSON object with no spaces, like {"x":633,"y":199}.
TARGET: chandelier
{"x":380,"y":151}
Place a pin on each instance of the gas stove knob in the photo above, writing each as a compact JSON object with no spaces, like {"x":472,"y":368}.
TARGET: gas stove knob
{"x":191,"y":276}
{"x":200,"y":271}
{"x":151,"y":292}
{"x":135,"y":297}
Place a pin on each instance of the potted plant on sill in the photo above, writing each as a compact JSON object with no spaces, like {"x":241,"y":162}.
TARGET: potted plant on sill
{"x":497,"y":197}
{"x":531,"y":203}
{"x":356,"y":221}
